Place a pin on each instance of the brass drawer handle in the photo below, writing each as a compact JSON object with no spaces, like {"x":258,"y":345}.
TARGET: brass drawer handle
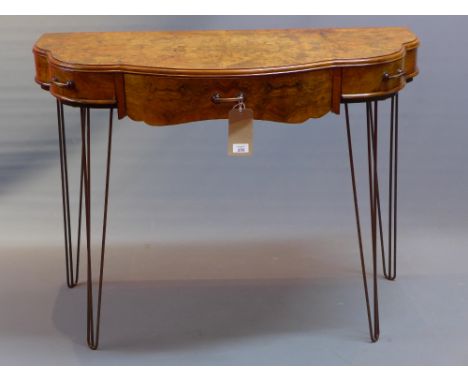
{"x":398,"y":74}
{"x":63,"y":85}
{"x":216,"y":98}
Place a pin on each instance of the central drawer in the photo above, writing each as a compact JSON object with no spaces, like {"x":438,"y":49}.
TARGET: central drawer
{"x":291,"y":97}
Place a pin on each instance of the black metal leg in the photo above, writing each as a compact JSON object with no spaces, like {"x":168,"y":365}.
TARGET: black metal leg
{"x":389,"y":264}
{"x":390,"y":272}
{"x":373,"y":317}
{"x":72,"y":270}
{"x":93,"y":322}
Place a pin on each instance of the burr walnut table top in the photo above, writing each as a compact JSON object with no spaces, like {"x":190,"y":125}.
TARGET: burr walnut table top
{"x":220,"y":52}
{"x":167,"y":77}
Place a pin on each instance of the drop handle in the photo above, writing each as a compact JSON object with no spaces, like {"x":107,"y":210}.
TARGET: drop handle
{"x":63,"y":85}
{"x":400,"y":73}
{"x":216,"y":98}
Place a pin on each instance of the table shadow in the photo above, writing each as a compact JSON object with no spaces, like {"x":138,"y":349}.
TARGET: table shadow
{"x":189,"y":313}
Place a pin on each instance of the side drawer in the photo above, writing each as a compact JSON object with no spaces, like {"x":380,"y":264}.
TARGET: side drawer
{"x":83,"y":87}
{"x":374,"y":80}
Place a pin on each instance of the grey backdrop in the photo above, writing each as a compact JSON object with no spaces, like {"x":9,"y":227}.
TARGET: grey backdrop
{"x":217,"y":260}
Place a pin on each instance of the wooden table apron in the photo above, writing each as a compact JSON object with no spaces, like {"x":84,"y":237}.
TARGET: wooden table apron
{"x":165,"y":78}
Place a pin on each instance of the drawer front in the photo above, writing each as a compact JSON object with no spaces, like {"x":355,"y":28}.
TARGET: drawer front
{"x":82,"y":87}
{"x":289,"y":98}
{"x":373,"y":81}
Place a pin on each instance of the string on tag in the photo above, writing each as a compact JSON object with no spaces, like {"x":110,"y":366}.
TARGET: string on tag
{"x":240,"y":106}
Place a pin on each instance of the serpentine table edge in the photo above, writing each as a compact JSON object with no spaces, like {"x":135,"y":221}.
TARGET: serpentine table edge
{"x":165,"y":78}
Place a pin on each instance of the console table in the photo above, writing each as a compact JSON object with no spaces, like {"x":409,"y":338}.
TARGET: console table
{"x":172,"y":77}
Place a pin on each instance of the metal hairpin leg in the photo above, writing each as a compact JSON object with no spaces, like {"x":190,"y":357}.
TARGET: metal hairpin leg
{"x":72,"y":270}
{"x":375,"y":210}
{"x":93,"y":323}
{"x":390,"y":272}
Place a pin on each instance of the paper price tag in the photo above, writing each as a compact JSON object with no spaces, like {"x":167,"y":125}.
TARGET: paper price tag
{"x":240,"y":131}
{"x":240,"y":148}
